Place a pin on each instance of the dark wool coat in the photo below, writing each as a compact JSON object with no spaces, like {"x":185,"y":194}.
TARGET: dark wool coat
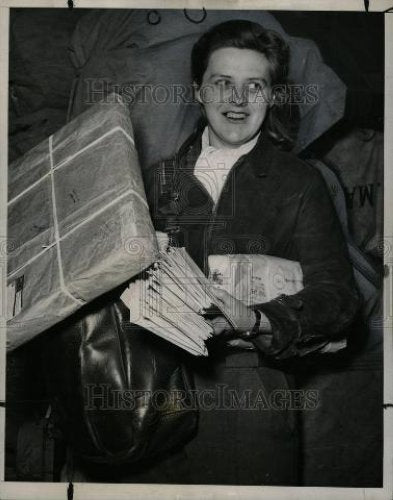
{"x":275,"y":204}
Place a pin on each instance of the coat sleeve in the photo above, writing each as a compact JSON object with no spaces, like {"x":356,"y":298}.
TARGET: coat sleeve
{"x":329,"y":300}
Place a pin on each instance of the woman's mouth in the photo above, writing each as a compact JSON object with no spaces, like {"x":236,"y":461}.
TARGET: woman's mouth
{"x":235,"y":116}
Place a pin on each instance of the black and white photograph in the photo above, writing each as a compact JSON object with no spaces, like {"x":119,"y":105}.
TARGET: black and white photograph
{"x":197,"y":261}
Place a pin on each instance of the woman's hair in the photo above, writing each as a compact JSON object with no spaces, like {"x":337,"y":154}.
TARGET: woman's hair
{"x":282,"y":118}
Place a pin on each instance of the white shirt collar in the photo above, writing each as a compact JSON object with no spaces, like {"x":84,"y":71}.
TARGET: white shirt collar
{"x":237,"y":152}
{"x":213,"y":164}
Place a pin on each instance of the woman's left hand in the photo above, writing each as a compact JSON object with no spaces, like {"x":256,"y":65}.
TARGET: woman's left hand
{"x":242,"y":317}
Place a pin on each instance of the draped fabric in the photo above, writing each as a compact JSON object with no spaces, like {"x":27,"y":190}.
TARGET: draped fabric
{"x":40,"y":75}
{"x":126,"y":49}
{"x":357,"y":159}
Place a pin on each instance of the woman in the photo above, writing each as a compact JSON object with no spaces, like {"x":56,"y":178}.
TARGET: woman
{"x":235,"y":190}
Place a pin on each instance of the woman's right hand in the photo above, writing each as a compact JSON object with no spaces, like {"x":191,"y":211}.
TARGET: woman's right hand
{"x":162,"y":241}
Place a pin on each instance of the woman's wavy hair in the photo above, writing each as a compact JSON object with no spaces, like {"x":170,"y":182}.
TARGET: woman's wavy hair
{"x":281,"y":122}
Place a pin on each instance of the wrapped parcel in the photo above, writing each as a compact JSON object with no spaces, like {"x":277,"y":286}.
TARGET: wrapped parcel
{"x":79,"y":223}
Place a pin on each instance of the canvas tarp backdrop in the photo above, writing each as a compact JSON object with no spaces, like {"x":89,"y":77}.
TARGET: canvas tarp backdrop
{"x":130,"y":49}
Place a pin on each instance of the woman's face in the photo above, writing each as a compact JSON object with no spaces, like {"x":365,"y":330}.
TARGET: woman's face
{"x":235,"y":95}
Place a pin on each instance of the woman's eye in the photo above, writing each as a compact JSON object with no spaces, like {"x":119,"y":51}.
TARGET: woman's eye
{"x":222,"y":83}
{"x":255,"y":86}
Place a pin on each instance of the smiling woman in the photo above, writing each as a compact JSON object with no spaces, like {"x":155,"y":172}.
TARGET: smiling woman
{"x":246,"y":69}
{"x":235,"y":95}
{"x":233,"y":186}
{"x":233,"y":192}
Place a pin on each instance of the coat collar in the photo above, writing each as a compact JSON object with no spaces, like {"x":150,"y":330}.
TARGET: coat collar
{"x":259,"y":159}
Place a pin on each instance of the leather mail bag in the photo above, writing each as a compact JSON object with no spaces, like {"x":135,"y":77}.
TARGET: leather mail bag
{"x":123,"y":394}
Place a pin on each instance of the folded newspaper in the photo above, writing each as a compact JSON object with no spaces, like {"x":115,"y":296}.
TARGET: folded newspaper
{"x":168,"y":299}
{"x":255,"y":279}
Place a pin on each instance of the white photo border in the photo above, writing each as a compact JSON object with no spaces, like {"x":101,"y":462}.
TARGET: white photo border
{"x":53,"y":491}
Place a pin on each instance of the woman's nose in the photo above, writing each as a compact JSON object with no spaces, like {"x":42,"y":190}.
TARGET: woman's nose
{"x":238,"y":95}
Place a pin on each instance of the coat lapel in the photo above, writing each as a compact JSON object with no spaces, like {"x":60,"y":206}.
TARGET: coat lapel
{"x":246,"y":210}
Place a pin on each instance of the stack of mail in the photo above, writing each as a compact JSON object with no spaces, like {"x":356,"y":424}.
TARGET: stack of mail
{"x":172,"y":297}
{"x":168,"y":301}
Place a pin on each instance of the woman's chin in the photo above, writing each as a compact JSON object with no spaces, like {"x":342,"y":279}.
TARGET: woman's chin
{"x":235,"y":141}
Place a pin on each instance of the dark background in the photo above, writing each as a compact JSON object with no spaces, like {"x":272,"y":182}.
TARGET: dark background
{"x":41,"y":73}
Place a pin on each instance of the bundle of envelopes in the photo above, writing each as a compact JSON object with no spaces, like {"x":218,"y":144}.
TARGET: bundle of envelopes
{"x":168,"y":299}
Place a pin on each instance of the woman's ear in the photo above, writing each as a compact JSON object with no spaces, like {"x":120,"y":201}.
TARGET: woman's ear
{"x":272,"y":99}
{"x":197,"y":92}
